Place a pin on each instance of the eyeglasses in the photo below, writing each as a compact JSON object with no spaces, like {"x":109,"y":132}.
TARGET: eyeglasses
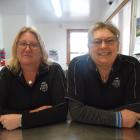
{"x":108,"y":41}
{"x":23,"y":44}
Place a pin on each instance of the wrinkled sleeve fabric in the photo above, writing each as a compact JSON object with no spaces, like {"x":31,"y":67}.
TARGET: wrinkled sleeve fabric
{"x":5,"y":79}
{"x":2,"y":91}
{"x":79,"y":110}
{"x":91,"y":115}
{"x":132,"y":88}
{"x":58,"y":112}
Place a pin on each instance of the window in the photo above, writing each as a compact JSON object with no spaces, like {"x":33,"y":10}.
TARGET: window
{"x":122,"y":19}
{"x":76,"y":43}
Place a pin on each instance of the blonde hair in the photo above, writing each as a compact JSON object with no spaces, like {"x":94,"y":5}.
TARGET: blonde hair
{"x":102,"y":25}
{"x":13,"y":62}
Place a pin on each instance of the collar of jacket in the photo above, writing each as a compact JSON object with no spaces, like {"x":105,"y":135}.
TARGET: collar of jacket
{"x":115,"y":67}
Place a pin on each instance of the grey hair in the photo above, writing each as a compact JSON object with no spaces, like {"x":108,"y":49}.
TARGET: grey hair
{"x":101,"y":25}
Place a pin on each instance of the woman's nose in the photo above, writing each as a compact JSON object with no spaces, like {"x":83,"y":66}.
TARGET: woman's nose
{"x":103,"y":44}
{"x":28,"y":47}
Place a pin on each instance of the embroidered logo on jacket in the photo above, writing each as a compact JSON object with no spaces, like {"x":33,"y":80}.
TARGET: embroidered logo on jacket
{"x":44,"y":87}
{"x":116,"y":82}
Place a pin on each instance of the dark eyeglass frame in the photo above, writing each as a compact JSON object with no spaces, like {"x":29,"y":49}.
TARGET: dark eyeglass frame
{"x":108,"y":41}
{"x":24,"y":44}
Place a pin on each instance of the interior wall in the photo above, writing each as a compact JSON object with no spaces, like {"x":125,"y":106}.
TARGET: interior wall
{"x":111,"y":9}
{"x":1,"y":33}
{"x":54,"y":34}
{"x":55,"y":37}
{"x":11,"y":26}
{"x":29,"y":21}
{"x":138,"y":8}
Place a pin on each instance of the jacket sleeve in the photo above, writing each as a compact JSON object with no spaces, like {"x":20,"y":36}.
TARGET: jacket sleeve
{"x":58,"y":112}
{"x":5,"y":79}
{"x":91,"y":115}
{"x":132,"y":88}
{"x":44,"y":117}
{"x":79,"y":110}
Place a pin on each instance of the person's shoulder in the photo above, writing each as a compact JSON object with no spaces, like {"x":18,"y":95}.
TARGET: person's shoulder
{"x":128,"y":59}
{"x":79,"y":59}
{"x":55,"y":65}
{"x":5,"y":71}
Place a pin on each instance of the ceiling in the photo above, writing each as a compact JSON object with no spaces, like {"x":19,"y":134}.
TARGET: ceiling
{"x":42,"y":10}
